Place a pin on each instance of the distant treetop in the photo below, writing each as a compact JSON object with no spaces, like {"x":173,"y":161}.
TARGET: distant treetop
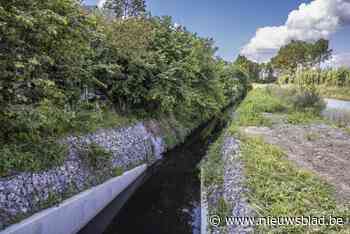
{"x":126,"y":8}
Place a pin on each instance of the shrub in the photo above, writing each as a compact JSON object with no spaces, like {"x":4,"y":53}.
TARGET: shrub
{"x":96,"y":157}
{"x":163,"y":70}
{"x":258,"y":101}
{"x":118,"y":171}
{"x":67,"y":71}
{"x":31,"y":156}
{"x":308,"y":100}
{"x":45,"y":45}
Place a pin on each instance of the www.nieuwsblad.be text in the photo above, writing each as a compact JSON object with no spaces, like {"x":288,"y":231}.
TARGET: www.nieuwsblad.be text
{"x":216,"y":220}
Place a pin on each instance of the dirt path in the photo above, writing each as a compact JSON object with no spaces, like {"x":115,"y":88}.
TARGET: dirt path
{"x":320,"y":148}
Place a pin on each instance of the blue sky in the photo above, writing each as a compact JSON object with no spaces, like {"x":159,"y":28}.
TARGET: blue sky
{"x":233,"y":23}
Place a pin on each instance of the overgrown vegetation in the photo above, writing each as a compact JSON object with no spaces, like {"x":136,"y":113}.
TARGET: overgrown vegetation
{"x":213,"y":166}
{"x":24,"y":157}
{"x":300,"y":62}
{"x":278,"y":188}
{"x":347,"y":130}
{"x":257,"y":72}
{"x":65,"y":70}
{"x":342,"y":93}
{"x":223,"y":210}
{"x":96,"y":157}
{"x":299,"y":106}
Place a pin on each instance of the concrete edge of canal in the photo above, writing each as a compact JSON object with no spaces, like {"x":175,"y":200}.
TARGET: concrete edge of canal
{"x":73,"y":214}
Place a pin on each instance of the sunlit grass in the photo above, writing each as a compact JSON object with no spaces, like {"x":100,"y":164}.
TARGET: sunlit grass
{"x":342,"y":93}
{"x":272,"y":99}
{"x":278,"y":188}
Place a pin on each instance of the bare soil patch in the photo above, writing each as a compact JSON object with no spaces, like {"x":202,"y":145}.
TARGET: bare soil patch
{"x":320,"y":148}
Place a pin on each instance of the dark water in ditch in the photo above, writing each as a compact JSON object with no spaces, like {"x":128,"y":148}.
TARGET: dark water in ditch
{"x":169,"y":202}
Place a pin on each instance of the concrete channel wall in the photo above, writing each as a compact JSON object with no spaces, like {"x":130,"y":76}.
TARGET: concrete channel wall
{"x":25,"y":196}
{"x":73,"y":214}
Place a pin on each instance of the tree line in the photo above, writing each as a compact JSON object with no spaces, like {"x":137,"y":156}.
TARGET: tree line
{"x":297,"y":61}
{"x":63,"y":67}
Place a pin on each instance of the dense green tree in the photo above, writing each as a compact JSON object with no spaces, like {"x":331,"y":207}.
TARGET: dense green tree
{"x":251,"y":68}
{"x":138,"y":6}
{"x":301,"y":54}
{"x":44,"y":49}
{"x":63,"y":69}
{"x":291,"y":56}
{"x":319,"y":52}
{"x":126,"y":8}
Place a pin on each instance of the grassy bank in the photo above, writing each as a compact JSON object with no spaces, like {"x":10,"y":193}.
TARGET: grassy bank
{"x":273,"y":99}
{"x":342,"y":93}
{"x":34,"y":144}
{"x":277,"y":187}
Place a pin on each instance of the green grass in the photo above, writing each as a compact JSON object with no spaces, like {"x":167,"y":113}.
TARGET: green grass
{"x":312,"y":136}
{"x":257,"y":102}
{"x":271,"y":100}
{"x":96,"y":157}
{"x":212,"y":176}
{"x":342,"y":93}
{"x":347,"y":130}
{"x":34,"y":157}
{"x":297,"y":117}
{"x":278,"y":188}
{"x":223,"y":209}
{"x":29,"y":142}
{"x":96,"y":120}
{"x":118,"y":171}
{"x":213,"y":166}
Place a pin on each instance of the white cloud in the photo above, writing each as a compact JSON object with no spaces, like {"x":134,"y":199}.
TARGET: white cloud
{"x":310,"y":22}
{"x":101,"y":3}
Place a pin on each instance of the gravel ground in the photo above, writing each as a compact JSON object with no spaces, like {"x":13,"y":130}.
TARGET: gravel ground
{"x":233,"y":189}
{"x":320,"y":148}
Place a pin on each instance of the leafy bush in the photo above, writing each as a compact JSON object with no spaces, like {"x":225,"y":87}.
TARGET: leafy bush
{"x":274,"y":99}
{"x":66,"y":71}
{"x":96,"y":157}
{"x":257,"y":102}
{"x":44,"y":46}
{"x":308,"y":100}
{"x":31,"y":156}
{"x":163,"y":70}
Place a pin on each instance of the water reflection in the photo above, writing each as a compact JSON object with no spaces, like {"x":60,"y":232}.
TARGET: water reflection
{"x":169,"y":202}
{"x":337,"y":111}
{"x":337,"y":104}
